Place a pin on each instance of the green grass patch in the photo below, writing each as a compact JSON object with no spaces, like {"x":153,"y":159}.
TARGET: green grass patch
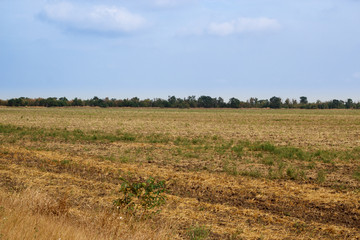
{"x":321,"y":176}
{"x":356,"y":174}
{"x":197,"y":232}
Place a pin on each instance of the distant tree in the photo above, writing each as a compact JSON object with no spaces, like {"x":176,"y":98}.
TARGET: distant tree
{"x":206,"y":102}
{"x":77,"y":102}
{"x":253,"y":101}
{"x":303,"y":100}
{"x":172,"y":101}
{"x":63,"y":101}
{"x":287,"y":103}
{"x":263,"y":103}
{"x":135,"y":102}
{"x":349,"y":103}
{"x":336,"y":104}
{"x":275,"y":102}
{"x":3,"y":102}
{"x":220,"y":103}
{"x":51,"y":102}
{"x":191,"y":100}
{"x":146,"y":103}
{"x":234,"y":103}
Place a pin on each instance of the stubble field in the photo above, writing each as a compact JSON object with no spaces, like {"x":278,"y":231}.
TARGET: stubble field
{"x":229,"y":174}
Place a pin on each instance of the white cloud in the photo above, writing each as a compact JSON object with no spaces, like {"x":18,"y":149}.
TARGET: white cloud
{"x":243,"y":25}
{"x":356,"y":75}
{"x":99,"y":18}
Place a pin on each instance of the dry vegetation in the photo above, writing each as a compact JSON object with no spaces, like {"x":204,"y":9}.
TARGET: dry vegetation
{"x":230,"y":174}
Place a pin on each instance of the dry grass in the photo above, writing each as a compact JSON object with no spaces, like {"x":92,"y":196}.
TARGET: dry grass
{"x":35,"y":215}
{"x":230,"y":174}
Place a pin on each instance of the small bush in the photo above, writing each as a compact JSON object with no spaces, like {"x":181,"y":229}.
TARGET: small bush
{"x":143,"y":198}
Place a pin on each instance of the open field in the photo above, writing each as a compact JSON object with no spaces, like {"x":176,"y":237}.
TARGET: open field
{"x":230,"y":174}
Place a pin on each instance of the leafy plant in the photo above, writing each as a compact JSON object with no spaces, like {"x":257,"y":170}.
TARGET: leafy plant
{"x":141,"y":197}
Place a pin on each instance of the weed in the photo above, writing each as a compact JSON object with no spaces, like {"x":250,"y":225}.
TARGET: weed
{"x":141,"y":197}
{"x":300,"y":227}
{"x":230,"y":168}
{"x":124,"y":159}
{"x":197,"y":140}
{"x":255,"y":173}
{"x":324,"y":156}
{"x":321,"y":176}
{"x":268,"y":161}
{"x":356,"y":174}
{"x":238,"y":150}
{"x":182,"y":141}
{"x":236,"y":235}
{"x":157,"y":138}
{"x":302,"y":175}
{"x":65,"y":162}
{"x":311,"y":165}
{"x":267,"y":147}
{"x":198,"y":232}
{"x":291,"y":153}
{"x":191,"y":155}
{"x":292,"y":173}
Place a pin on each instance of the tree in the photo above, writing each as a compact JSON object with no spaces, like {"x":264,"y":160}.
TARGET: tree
{"x":303,"y":100}
{"x":220,"y":103}
{"x":206,"y":102}
{"x":253,"y":101}
{"x":335,"y":104}
{"x":287,"y":103}
{"x":349,"y":103}
{"x":172,"y":101}
{"x":77,"y":102}
{"x":234,"y":103}
{"x":275,"y":102}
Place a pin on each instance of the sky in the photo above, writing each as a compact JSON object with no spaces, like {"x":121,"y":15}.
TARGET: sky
{"x":157,"y":48}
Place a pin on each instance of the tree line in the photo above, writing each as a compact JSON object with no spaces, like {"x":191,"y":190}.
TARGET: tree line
{"x":189,"y":102}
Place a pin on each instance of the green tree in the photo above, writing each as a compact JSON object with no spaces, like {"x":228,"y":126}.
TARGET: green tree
{"x":303,"y":100}
{"x":234,"y":103}
{"x":275,"y":102}
{"x":349,"y":103}
{"x":206,"y":102}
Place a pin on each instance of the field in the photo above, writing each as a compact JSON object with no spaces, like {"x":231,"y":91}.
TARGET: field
{"x":229,"y":174}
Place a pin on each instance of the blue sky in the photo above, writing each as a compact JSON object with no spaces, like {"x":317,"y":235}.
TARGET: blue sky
{"x":157,"y":48}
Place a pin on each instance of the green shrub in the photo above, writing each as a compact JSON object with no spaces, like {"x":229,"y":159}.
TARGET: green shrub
{"x":143,"y":198}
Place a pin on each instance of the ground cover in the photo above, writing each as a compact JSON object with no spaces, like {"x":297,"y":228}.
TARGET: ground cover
{"x":229,"y":174}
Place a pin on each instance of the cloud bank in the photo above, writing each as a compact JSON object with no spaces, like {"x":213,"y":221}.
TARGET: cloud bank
{"x":95,"y":18}
{"x":243,"y":25}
